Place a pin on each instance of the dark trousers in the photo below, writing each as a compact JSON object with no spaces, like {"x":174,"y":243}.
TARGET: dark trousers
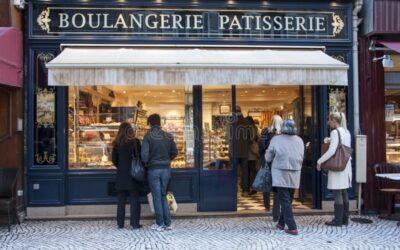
{"x":244,"y":174}
{"x":135,"y":207}
{"x":341,"y":196}
{"x":276,"y":207}
{"x":286,"y":216}
{"x":252,"y":172}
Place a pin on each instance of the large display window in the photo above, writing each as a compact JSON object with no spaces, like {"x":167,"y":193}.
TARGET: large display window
{"x":95,"y":113}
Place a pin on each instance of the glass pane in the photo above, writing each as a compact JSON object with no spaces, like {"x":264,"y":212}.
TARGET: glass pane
{"x":96,"y":112}
{"x":45,"y":136}
{"x":392,"y":118}
{"x":217,"y":114}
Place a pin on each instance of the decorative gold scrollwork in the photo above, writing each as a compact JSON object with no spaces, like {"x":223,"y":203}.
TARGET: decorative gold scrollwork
{"x":46,"y":57}
{"x":43,"y":20}
{"x":339,"y":58}
{"x":337,"y":24}
{"x":46,"y":158}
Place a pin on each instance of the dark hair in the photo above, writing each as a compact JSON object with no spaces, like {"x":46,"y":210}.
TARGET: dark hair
{"x":154,"y":120}
{"x":251,"y":120}
{"x":124,"y":135}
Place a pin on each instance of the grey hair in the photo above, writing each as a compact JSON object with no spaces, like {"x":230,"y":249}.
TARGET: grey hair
{"x":340,"y":117}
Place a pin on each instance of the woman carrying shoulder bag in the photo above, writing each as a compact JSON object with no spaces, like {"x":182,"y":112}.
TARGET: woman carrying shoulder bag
{"x":125,"y":145}
{"x":338,"y":181}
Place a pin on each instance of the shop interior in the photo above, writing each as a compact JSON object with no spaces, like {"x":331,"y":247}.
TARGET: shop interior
{"x":392,"y":110}
{"x":95,"y":113}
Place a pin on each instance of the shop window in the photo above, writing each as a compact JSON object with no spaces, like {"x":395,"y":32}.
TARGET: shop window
{"x":45,"y":126}
{"x":95,"y":113}
{"x":5,"y":114}
{"x":392,"y":111}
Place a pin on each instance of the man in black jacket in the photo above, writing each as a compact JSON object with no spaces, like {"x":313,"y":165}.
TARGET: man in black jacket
{"x":244,"y":138}
{"x":158,"y":149}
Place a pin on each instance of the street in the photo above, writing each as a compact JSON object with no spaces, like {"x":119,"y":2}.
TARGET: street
{"x":202,"y":233}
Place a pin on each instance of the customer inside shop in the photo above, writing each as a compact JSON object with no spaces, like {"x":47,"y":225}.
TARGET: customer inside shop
{"x":95,"y":113}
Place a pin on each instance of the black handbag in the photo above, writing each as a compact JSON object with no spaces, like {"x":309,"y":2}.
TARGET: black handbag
{"x":263,"y":180}
{"x":137,"y":169}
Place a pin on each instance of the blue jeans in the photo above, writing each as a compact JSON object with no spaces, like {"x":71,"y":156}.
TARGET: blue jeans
{"x":158,"y":182}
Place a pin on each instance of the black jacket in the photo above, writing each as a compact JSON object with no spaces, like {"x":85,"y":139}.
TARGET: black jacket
{"x":158,"y":148}
{"x":122,"y":159}
{"x":244,"y":137}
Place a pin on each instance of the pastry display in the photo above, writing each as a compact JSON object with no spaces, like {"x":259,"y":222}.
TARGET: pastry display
{"x":215,"y":150}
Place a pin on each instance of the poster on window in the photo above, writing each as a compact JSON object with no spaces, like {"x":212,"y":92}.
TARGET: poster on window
{"x":389,"y":112}
{"x":45,"y":107}
{"x":337,"y":100}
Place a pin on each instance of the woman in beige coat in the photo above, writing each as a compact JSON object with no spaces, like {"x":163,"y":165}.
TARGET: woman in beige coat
{"x":338,"y":182}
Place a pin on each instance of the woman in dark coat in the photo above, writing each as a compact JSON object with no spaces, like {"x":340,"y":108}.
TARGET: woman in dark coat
{"x":124,"y":146}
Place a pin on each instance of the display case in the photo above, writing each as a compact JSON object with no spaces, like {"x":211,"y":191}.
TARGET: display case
{"x":176,"y":127}
{"x":215,"y":150}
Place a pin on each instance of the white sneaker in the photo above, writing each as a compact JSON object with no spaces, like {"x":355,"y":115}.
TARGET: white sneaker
{"x":157,"y":228}
{"x":168,"y":228}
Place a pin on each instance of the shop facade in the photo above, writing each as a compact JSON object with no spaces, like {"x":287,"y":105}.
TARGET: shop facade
{"x":73,"y":112}
{"x":12,"y":95}
{"x":379,"y":85}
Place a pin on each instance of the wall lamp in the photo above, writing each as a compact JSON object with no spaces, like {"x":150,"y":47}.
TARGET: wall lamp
{"x":387,"y":61}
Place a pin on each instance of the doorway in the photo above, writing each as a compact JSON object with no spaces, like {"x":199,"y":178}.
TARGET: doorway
{"x":259,"y":104}
{"x":220,"y":177}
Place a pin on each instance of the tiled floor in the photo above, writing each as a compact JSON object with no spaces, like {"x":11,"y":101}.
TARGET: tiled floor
{"x":256,"y":203}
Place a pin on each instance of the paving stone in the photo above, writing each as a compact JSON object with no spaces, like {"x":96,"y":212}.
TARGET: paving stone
{"x":202,"y":233}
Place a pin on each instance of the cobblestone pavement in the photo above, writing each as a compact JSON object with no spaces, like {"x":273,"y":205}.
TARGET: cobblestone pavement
{"x":203,"y":233}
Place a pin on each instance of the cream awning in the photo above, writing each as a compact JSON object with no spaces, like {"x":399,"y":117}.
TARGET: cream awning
{"x":188,"y":66}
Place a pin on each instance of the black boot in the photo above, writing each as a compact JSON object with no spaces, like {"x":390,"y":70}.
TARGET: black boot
{"x":338,"y":220}
{"x":346,"y":213}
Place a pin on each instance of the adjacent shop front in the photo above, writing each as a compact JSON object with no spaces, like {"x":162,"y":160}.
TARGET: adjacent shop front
{"x":379,"y":87}
{"x":93,"y":66}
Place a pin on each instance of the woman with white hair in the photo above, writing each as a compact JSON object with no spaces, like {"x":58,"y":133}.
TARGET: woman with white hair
{"x":338,"y":182}
{"x":286,"y":152}
{"x":266,"y":136}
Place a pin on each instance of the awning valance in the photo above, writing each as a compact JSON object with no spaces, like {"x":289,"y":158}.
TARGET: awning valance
{"x":11,"y":72}
{"x":188,"y":66}
{"x":395,"y":46}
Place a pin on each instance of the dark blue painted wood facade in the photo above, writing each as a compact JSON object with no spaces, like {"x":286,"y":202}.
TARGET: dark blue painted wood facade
{"x":59,"y":187}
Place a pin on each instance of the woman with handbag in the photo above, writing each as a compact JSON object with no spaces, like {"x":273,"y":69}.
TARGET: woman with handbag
{"x":125,"y":147}
{"x":266,"y":136}
{"x":286,"y":152}
{"x":338,"y":181}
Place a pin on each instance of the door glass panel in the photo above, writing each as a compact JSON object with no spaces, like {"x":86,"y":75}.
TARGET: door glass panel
{"x":217,"y":114}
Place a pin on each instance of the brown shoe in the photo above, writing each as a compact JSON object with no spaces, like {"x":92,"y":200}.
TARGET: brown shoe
{"x":292,"y":232}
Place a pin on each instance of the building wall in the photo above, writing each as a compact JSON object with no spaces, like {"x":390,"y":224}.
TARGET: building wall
{"x":372,"y":121}
{"x":12,"y":146}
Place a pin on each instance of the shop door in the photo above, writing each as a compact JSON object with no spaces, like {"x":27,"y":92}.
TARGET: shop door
{"x":217,"y":171}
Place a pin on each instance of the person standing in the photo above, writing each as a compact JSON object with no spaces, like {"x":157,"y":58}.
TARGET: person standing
{"x":124,"y":146}
{"x":286,"y":152}
{"x":158,"y":150}
{"x":243,"y":142}
{"x":338,"y":182}
{"x":254,"y":155}
{"x":266,"y":136}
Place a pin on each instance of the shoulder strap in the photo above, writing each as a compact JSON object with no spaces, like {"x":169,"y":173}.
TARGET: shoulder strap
{"x":340,"y":139}
{"x":135,"y":152}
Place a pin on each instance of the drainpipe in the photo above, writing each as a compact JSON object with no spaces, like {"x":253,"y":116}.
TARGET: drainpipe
{"x":356,"y":22}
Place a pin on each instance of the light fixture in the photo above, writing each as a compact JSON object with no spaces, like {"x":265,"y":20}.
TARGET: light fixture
{"x":124,"y":91}
{"x":387,"y":61}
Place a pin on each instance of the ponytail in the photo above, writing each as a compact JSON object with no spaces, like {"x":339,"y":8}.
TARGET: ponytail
{"x":340,"y":117}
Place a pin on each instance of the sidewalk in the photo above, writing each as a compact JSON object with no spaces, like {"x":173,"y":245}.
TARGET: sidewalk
{"x":201,"y":233}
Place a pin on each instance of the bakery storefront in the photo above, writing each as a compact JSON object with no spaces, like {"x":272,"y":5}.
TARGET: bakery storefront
{"x":92,"y":66}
